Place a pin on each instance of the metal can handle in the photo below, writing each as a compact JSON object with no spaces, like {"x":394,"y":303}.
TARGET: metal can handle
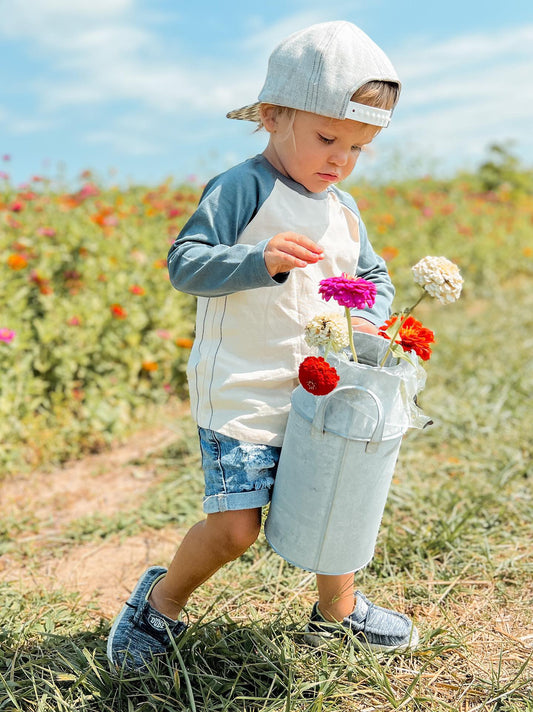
{"x":320,"y":415}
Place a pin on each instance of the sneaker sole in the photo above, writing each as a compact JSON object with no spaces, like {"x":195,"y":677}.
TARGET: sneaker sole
{"x":118,"y":619}
{"x":318,"y":640}
{"x":125,"y":609}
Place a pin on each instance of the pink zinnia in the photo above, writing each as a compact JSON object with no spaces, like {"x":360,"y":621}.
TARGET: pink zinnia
{"x":7,"y":335}
{"x":88,"y":190}
{"x":46,"y":231}
{"x":348,"y":291}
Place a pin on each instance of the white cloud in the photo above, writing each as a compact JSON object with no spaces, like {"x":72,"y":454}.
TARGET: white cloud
{"x":262,"y":39}
{"x":20,"y":125}
{"x":463,"y":91}
{"x":131,"y":144}
{"x":425,"y":58}
{"x":108,"y":58}
{"x":466,"y":92}
{"x":21,"y":18}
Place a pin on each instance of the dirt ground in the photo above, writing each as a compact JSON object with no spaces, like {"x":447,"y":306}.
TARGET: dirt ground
{"x":103,"y":572}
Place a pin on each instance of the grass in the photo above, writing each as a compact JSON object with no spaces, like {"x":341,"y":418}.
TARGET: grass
{"x":454,"y":552}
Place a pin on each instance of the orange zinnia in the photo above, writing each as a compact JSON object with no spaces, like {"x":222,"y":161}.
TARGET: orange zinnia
{"x":17,"y":262}
{"x":412,"y":336}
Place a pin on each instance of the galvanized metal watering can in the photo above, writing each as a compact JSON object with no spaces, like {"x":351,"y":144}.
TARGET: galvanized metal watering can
{"x":338,"y":458}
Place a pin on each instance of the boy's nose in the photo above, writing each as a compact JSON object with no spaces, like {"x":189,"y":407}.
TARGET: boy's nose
{"x":339,"y":158}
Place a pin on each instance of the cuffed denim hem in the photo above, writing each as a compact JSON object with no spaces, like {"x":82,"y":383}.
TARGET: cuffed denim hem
{"x":236,"y":500}
{"x":238,"y":475}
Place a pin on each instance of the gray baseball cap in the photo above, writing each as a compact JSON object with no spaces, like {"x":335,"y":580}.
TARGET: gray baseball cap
{"x":319,"y":69}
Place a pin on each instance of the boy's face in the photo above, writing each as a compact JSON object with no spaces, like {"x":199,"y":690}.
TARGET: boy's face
{"x":317,"y":151}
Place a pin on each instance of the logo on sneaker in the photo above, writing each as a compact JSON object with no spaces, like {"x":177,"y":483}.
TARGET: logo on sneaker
{"x":156,"y":622}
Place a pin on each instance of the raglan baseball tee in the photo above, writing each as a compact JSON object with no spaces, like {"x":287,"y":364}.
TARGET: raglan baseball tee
{"x":249,"y":338}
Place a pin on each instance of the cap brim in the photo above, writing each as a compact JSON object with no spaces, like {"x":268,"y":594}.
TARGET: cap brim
{"x":246,"y":113}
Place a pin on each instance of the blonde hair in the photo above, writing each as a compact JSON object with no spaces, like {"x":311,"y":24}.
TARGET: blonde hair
{"x":382,"y":95}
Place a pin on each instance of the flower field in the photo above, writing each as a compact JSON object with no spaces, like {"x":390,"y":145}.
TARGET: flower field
{"x":92,"y":334}
{"x":90,"y":330}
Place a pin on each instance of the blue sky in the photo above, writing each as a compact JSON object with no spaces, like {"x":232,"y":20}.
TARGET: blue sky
{"x":137,"y":90}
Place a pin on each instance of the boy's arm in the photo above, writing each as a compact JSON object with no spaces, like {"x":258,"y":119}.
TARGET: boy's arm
{"x":208,"y":260}
{"x":372,"y":267}
{"x":205,"y":259}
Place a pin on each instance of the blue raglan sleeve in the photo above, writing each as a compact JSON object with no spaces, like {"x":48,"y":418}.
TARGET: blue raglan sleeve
{"x":373,"y":268}
{"x":206,"y":259}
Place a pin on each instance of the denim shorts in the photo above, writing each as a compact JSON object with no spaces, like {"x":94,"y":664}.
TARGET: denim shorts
{"x":238,"y":475}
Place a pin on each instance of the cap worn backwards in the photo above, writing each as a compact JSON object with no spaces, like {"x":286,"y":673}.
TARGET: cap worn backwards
{"x":319,"y":69}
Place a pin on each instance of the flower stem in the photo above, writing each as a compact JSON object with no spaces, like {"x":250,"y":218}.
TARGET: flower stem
{"x":350,"y":333}
{"x":422,"y":296}
{"x":402,"y":316}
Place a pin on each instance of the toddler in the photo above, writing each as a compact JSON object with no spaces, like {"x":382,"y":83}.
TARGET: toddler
{"x":263,"y":236}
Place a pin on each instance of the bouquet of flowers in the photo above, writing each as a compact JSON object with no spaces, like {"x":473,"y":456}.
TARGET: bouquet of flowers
{"x":339,"y":451}
{"x":437,"y":276}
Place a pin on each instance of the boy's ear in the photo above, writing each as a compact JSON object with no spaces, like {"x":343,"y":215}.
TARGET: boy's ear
{"x":269,"y":117}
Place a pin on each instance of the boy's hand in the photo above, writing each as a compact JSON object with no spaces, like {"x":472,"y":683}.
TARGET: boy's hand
{"x":360,"y":324}
{"x":288,"y":250}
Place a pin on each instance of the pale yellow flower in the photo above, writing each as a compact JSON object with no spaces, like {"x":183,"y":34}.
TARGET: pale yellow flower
{"x":439,"y":277}
{"x":327,"y":330}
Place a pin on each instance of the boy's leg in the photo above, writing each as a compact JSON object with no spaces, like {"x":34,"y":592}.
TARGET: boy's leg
{"x":365,"y":623}
{"x":148,"y":621}
{"x":208,"y":545}
{"x":335,"y":596}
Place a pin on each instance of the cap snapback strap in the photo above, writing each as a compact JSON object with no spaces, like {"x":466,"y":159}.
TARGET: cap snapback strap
{"x":368,"y":114}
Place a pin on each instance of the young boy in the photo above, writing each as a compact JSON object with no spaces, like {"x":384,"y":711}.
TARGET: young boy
{"x":263,"y":236}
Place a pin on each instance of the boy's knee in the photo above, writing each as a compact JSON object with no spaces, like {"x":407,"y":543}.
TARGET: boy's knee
{"x":238,"y":533}
{"x":241,"y":537}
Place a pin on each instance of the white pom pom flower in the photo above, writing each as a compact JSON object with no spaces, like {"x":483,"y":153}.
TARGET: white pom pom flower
{"x":329,"y":331}
{"x":439,"y":277}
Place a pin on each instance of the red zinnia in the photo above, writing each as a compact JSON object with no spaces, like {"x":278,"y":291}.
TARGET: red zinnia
{"x":348,"y":291}
{"x":317,"y":376}
{"x":412,"y":336}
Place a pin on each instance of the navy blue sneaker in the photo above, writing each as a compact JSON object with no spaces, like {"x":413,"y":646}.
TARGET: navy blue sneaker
{"x":139,"y":631}
{"x":367,"y":626}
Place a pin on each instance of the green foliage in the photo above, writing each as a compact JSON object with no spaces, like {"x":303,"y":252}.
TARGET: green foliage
{"x":502,"y":169}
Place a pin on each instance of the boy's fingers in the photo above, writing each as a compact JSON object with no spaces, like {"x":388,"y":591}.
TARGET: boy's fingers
{"x":306,"y":243}
{"x":301,"y":253}
{"x":302,"y":247}
{"x":288,"y":250}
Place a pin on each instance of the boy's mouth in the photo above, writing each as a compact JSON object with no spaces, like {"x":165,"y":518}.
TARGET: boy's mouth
{"x":328,"y":176}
